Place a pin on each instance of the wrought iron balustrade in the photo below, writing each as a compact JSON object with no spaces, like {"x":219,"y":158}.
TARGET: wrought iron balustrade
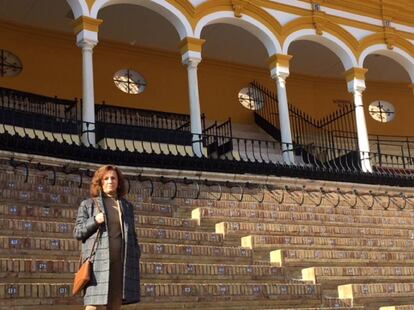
{"x":130,"y":123}
{"x":380,"y":144}
{"x":29,"y":103}
{"x":111,"y":114}
{"x":16,"y":120}
{"x":218,"y":138}
{"x":246,"y":156}
{"x":305,"y":129}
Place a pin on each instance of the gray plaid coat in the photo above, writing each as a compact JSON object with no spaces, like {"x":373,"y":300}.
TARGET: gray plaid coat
{"x":96,"y":293}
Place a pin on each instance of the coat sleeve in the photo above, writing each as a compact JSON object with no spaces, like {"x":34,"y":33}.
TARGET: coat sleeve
{"x":85,"y":224}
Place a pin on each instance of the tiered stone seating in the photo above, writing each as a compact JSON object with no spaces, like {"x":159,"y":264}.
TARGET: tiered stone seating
{"x":283,"y":214}
{"x":333,"y":276}
{"x":182,"y":263}
{"x":293,"y":257}
{"x":238,"y":229}
{"x":209,"y":254}
{"x":365,"y":244}
{"x":373,"y":295}
{"x":338,"y":245}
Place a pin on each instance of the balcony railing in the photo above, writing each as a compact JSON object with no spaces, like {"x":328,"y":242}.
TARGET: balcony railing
{"x":111,"y":114}
{"x":246,"y":155}
{"x":29,"y":104}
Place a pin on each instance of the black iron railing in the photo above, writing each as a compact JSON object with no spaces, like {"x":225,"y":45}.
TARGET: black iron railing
{"x":130,"y":123}
{"x":247,"y":155}
{"x":28,"y":103}
{"x":218,"y":139}
{"x":305,"y":129}
{"x":111,"y":114}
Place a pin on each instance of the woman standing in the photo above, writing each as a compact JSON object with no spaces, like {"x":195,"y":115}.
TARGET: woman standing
{"x":115,"y":270}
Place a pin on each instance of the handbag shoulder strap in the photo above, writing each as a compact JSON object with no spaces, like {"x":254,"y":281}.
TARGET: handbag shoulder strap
{"x":98,"y":236}
{"x":93,"y":249}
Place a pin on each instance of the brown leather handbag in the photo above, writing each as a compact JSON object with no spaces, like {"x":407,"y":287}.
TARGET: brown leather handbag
{"x":83,"y":276}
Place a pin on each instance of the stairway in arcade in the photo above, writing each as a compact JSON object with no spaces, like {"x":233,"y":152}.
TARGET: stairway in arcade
{"x":329,"y":139}
{"x":207,"y":253}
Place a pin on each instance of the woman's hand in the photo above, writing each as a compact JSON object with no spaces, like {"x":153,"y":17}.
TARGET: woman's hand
{"x":99,"y":218}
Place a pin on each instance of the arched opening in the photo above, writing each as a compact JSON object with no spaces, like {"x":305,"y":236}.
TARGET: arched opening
{"x":387,"y":83}
{"x":322,"y":110}
{"x":167,"y":10}
{"x":316,"y":82}
{"x":137,"y":26}
{"x":136,"y":38}
{"x":232,"y":58}
{"x":40,"y":34}
{"x":384,"y":68}
{"x":240,"y":48}
{"x":314,"y":59}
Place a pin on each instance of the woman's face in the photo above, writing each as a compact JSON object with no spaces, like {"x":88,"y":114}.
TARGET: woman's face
{"x":110,"y":182}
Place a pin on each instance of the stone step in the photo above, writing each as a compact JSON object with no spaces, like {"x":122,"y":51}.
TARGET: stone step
{"x":228,"y":201}
{"x":22,"y":246}
{"x":30,"y":210}
{"x":308,"y":258}
{"x":36,"y":228}
{"x":162,"y":235}
{"x":240,"y":229}
{"x":266,"y":243}
{"x":211,"y":272}
{"x":170,"y":222}
{"x":199,"y":253}
{"x":375,"y":295}
{"x":334,"y":276}
{"x":214,"y":295}
{"x":30,"y":196}
{"x":214,"y":215}
{"x":279,"y":292}
{"x":68,"y":214}
{"x":19,"y":269}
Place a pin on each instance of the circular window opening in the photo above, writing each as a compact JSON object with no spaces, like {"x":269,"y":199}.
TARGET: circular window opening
{"x":382,"y":111}
{"x":129,"y":81}
{"x":250,"y":98}
{"x":10,"y":64}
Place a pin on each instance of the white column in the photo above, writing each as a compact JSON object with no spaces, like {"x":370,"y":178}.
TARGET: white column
{"x":86,"y":30}
{"x":356,"y":86}
{"x":88,"y":106}
{"x":284,"y":121}
{"x":195,"y":113}
{"x":279,"y":66}
{"x":191,"y":56}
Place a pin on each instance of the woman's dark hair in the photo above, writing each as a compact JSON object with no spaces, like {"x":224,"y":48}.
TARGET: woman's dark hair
{"x":96,"y":184}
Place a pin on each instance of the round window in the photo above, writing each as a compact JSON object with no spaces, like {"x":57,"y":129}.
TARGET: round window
{"x":10,"y":64}
{"x":250,"y":98}
{"x":129,"y":81}
{"x":382,"y":111}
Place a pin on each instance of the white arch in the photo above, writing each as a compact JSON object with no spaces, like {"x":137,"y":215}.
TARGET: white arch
{"x":162,"y":7}
{"x":79,"y":8}
{"x":246,"y":22}
{"x":328,"y":40}
{"x":397,"y":54}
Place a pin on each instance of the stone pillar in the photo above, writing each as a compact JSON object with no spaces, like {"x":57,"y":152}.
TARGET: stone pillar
{"x":191,"y":57}
{"x":355,"y":78}
{"x":279,"y":70}
{"x":86,"y":30}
